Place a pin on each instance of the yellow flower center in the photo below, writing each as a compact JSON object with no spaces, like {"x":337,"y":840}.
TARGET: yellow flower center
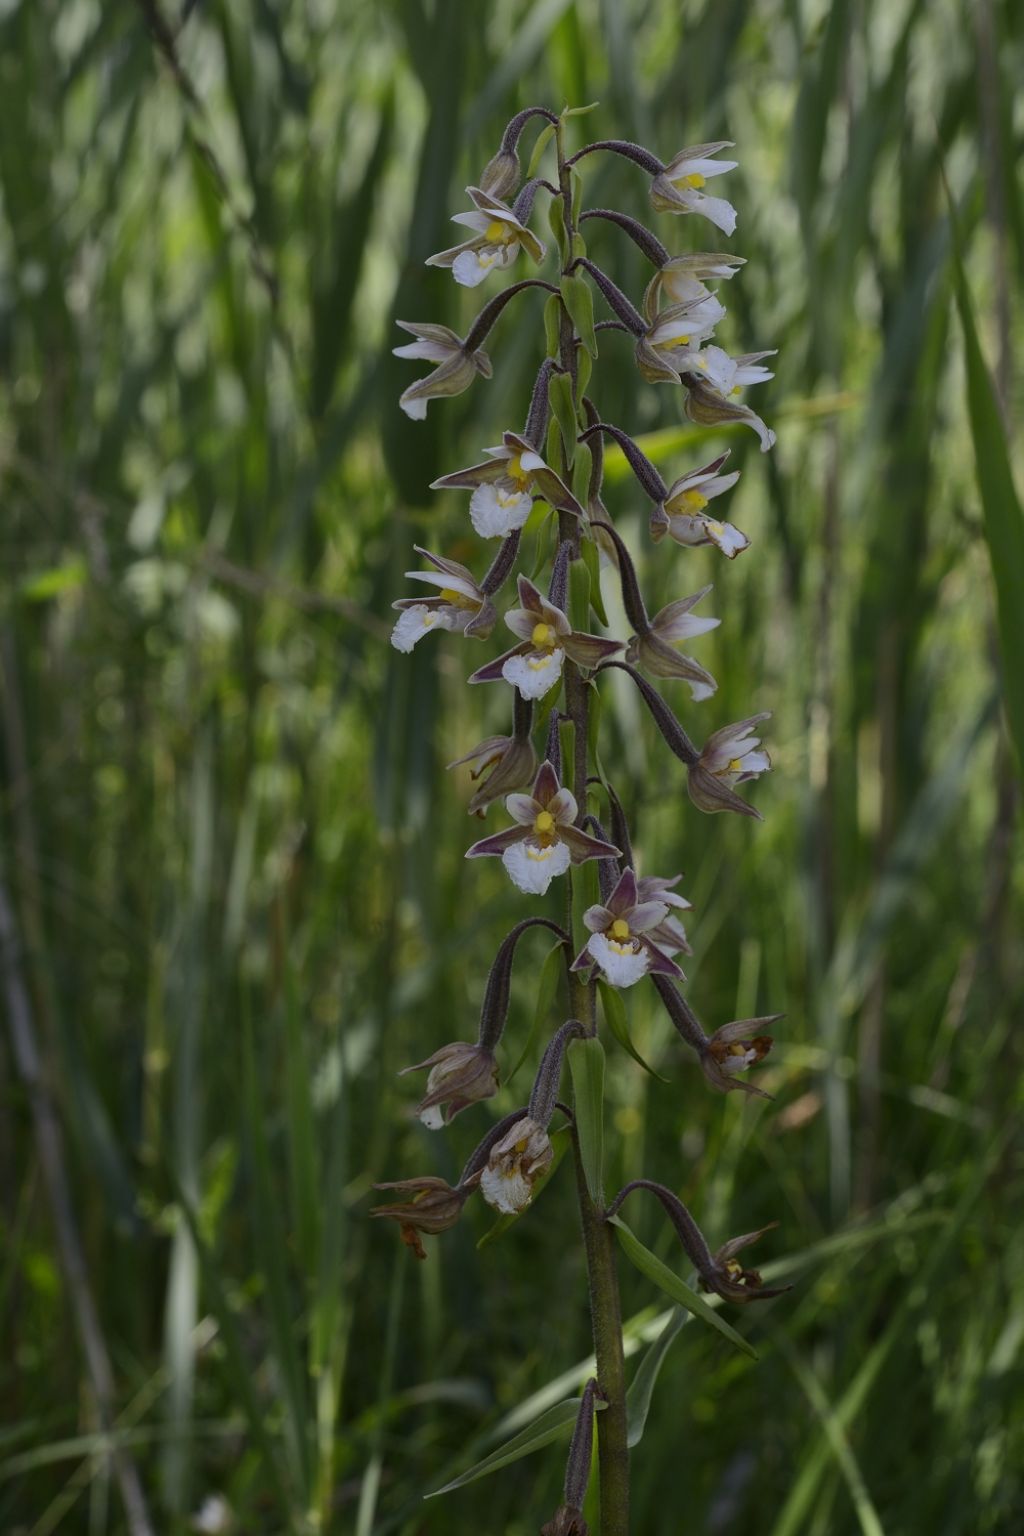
{"x":522,"y":1145}
{"x":498,"y":232}
{"x":693,"y":501}
{"x":620,"y":929}
{"x":714,"y":527}
{"x":736,"y":1049}
{"x":736,"y":766}
{"x":677,"y":341}
{"x":515,"y":471}
{"x":695,"y":181}
{"x":459,"y":599}
{"x":543,"y":822}
{"x":543,"y":637}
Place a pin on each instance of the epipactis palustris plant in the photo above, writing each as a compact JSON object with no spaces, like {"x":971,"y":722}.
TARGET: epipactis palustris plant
{"x":550,"y":475}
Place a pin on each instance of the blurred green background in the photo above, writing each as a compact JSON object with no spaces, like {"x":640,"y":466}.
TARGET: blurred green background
{"x":233,"y":896}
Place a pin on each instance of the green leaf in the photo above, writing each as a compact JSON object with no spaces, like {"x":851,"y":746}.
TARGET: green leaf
{"x":586,"y":1064}
{"x":547,"y":991}
{"x":582,"y":465}
{"x":641,"y":1388}
{"x":550,"y":1426}
{"x":579,"y":301}
{"x":591,"y":556}
{"x":552,"y":324}
{"x":579,"y":111}
{"x":650,"y":1265}
{"x":1001,"y":508}
{"x":579,"y":595}
{"x":544,"y":138}
{"x":618,"y":1022}
{"x":563,"y":409}
{"x":42,"y":585}
{"x":556,"y":224}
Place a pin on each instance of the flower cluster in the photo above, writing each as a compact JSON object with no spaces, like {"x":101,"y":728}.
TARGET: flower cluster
{"x":548,"y":477}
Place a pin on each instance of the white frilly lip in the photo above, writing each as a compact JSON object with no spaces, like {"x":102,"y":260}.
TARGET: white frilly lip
{"x":508,"y":1193}
{"x":533,"y":674}
{"x":495,"y":513}
{"x":622,"y":965}
{"x":532,"y":868}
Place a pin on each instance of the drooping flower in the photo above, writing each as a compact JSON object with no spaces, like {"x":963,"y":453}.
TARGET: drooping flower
{"x":681,"y":279}
{"x":682,"y":516}
{"x":708,"y":407}
{"x":668,"y":348}
{"x":505,"y":485}
{"x":514,"y":1165}
{"x":677,"y":189}
{"x":655,"y":650}
{"x":433,"y":1207}
{"x":460,"y":1074}
{"x":735,"y":1047}
{"x":544,"y":842}
{"x":730,"y":756}
{"x":513,"y":764}
{"x":535,"y":665}
{"x":727,"y":1277}
{"x":622,"y":935}
{"x":496,"y":244}
{"x":461,"y":604}
{"x":456,"y":370}
{"x":728,"y":375}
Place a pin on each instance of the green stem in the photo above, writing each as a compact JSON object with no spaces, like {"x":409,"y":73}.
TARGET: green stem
{"x":598,"y":1239}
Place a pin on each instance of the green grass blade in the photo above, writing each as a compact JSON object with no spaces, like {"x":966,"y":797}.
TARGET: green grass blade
{"x":667,"y":1280}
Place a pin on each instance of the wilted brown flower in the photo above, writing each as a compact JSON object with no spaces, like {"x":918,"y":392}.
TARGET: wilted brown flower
{"x":434,"y":1207}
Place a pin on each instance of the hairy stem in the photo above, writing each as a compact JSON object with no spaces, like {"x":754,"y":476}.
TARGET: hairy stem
{"x":598,"y":1239}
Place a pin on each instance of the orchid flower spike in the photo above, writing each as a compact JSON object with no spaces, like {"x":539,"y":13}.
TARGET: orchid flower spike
{"x":547,"y":637}
{"x":677,"y":188}
{"x":456,"y":370}
{"x":461,"y":604}
{"x":505,"y":485}
{"x":498,"y":240}
{"x":623,"y":934}
{"x":545,"y":840}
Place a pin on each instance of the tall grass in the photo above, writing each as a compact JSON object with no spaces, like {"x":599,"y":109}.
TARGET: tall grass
{"x":230,"y":849}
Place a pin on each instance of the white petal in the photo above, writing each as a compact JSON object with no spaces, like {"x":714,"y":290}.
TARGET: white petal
{"x":702,"y":167}
{"x":506,"y":1192}
{"x":444,"y":579}
{"x":755,"y":762}
{"x":532,"y":868}
{"x":534,"y":673}
{"x":495,"y":512}
{"x":622,"y":965}
{"x":429,"y":351}
{"x":477,"y":221}
{"x":416,"y":622}
{"x":432,"y":1118}
{"x":726,"y":538}
{"x":699,"y":691}
{"x":416,"y":409}
{"x":716,"y":209}
{"x":471,"y":267}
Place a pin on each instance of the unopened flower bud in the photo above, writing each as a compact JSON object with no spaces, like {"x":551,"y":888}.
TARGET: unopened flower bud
{"x":433,"y":1207}
{"x":460,"y":1074}
{"x":501,"y":175}
{"x":514,"y":1165}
